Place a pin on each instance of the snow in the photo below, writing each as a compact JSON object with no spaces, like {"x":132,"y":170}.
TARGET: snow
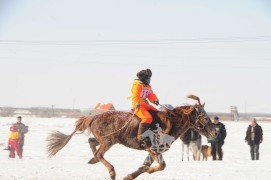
{"x":71,"y":162}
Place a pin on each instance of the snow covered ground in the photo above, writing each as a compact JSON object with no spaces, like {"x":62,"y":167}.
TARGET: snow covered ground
{"x":71,"y":162}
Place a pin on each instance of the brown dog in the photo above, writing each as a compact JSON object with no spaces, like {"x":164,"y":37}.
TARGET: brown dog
{"x":207,"y":152}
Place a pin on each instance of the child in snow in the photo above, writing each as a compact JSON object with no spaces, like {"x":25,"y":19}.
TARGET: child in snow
{"x":14,"y":142}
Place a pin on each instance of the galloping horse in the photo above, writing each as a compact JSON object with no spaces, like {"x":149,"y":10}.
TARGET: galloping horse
{"x":114,"y":127}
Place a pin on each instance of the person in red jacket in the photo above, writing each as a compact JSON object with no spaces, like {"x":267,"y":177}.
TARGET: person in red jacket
{"x":14,"y":142}
{"x":141,"y":91}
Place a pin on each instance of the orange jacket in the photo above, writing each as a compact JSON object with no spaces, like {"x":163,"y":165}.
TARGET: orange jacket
{"x":140,"y":94}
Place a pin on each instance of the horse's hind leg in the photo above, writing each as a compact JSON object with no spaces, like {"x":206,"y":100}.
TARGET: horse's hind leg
{"x":99,"y":155}
{"x":145,"y":166}
{"x":93,"y":143}
{"x":187,"y":151}
{"x":182,"y":150}
{"x":197,"y":154}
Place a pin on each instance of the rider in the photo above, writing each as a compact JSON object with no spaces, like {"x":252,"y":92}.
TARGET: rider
{"x":141,"y":91}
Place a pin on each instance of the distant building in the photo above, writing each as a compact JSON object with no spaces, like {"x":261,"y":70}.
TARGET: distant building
{"x":102,"y":107}
{"x":108,"y":106}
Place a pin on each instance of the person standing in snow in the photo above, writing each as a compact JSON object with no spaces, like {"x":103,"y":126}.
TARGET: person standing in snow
{"x":254,"y":136}
{"x":14,"y":142}
{"x":23,"y":129}
{"x":218,"y":142}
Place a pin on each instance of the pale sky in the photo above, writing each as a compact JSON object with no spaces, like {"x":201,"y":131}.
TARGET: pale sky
{"x":75,"y":53}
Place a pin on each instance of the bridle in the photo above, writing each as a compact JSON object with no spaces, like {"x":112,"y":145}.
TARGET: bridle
{"x":200,"y":119}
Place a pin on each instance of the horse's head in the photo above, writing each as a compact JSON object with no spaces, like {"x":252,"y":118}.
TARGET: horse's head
{"x":202,"y":122}
{"x":197,"y":118}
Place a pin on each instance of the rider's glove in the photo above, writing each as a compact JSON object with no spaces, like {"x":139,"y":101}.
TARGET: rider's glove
{"x":137,"y":106}
{"x":156,"y":102}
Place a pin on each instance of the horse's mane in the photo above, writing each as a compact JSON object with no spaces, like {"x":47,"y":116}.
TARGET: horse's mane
{"x":186,"y":109}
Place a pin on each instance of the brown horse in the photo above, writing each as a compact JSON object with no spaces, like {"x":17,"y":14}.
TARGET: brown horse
{"x":114,"y":127}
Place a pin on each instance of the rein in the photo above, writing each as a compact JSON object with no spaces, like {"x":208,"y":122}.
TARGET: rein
{"x":170,"y":111}
{"x":187,"y":123}
{"x":186,"y":128}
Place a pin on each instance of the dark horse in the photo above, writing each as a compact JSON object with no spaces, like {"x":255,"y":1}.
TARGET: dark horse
{"x":192,"y":140}
{"x":190,"y":135}
{"x":114,"y":127}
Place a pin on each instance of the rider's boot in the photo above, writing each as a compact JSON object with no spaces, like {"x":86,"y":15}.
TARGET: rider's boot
{"x":144,"y":140}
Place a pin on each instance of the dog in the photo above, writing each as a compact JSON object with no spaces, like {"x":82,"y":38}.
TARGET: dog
{"x":207,"y":152}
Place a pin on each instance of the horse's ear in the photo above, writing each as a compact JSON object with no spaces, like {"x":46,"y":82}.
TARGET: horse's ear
{"x":196,"y":107}
{"x":203,"y":105}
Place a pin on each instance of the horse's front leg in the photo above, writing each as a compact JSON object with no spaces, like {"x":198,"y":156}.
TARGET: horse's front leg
{"x":145,"y":166}
{"x":161,"y":163}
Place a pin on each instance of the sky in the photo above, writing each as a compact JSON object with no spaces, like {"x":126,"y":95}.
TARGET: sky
{"x":74,"y":54}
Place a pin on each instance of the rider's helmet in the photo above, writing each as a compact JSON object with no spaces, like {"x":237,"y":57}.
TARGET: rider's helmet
{"x":145,"y":76}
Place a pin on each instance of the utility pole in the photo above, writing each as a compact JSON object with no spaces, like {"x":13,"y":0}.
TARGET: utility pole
{"x":234,"y":113}
{"x":245,"y":107}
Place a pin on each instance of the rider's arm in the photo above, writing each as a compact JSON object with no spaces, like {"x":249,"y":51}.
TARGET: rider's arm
{"x":152,"y":97}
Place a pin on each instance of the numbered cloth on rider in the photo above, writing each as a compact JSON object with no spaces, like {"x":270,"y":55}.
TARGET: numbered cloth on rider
{"x":140,"y":94}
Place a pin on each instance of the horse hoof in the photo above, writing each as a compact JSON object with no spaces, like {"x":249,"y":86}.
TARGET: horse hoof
{"x":113,"y":175}
{"x":129,"y":177}
{"x":92,"y":161}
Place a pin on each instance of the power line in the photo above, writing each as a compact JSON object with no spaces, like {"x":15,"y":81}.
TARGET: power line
{"x":143,"y":41}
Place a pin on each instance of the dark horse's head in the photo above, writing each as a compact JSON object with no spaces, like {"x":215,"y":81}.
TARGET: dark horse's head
{"x":197,"y":118}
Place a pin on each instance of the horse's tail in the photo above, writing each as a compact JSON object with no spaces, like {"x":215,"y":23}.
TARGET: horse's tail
{"x":57,"y":140}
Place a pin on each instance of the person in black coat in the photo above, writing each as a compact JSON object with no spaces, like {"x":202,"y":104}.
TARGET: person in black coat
{"x":254,"y":136}
{"x":218,"y":142}
{"x":23,"y":129}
